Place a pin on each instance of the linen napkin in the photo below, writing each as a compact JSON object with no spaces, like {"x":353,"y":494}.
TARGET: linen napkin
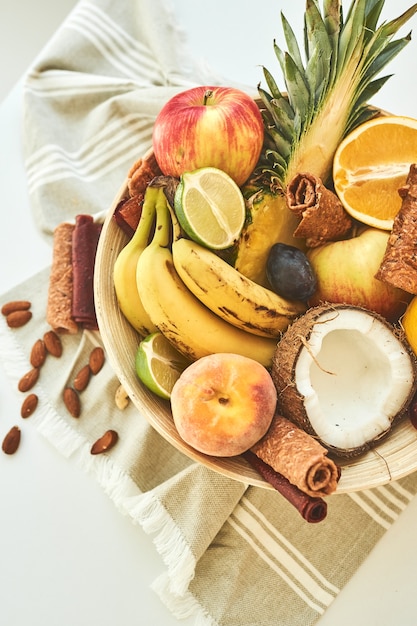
{"x":235,"y":555}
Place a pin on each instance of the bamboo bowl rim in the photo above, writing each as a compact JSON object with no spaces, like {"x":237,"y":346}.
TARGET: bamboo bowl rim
{"x":394,"y":458}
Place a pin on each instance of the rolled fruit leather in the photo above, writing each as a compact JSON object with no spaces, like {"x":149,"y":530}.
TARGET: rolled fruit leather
{"x":322,"y":215}
{"x":60,"y":290}
{"x":296,"y":455}
{"x":84,"y":247}
{"x":312,"y":509}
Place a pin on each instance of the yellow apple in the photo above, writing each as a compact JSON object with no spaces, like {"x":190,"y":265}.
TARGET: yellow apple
{"x":345,"y":272}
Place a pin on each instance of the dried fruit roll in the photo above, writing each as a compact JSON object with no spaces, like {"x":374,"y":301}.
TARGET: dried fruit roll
{"x":312,"y":509}
{"x":322,"y":215}
{"x":296,"y":455}
{"x":399,"y":265}
{"x":85,"y":238}
{"x":59,"y":305}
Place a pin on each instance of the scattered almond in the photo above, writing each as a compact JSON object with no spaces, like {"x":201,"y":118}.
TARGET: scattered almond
{"x":15,"y":305}
{"x":72,"y":402}
{"x":16,"y":319}
{"x":53,"y":343}
{"x":96,"y":360}
{"x":29,"y":405}
{"x":38,"y":353}
{"x":121,"y":398}
{"x":28,"y":380}
{"x":105,"y":443}
{"x":11,"y":441}
{"x":82,"y":378}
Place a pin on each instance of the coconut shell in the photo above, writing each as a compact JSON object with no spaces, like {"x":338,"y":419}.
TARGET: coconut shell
{"x":291,"y":401}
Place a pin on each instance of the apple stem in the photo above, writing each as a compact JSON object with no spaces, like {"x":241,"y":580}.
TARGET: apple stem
{"x":208,"y":93}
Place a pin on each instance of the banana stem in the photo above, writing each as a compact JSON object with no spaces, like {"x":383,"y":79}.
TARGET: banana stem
{"x":143,"y":229}
{"x":162,"y":236}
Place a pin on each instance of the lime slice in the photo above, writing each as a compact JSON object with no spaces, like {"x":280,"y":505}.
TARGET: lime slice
{"x":210,"y":207}
{"x":158,"y":364}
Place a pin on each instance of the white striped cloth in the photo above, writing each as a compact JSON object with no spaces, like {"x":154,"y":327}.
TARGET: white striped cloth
{"x":234,"y":555}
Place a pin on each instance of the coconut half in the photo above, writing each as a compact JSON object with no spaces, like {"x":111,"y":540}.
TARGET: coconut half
{"x":345,"y":375}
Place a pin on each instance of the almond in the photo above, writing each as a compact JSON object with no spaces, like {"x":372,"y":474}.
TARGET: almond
{"x":105,"y":443}
{"x":11,"y":441}
{"x":16,"y":319}
{"x":38,"y":353}
{"x":82,"y":378}
{"x":121,"y":398}
{"x":29,"y":405}
{"x":96,"y":360}
{"x":28,"y":380}
{"x":53,"y":343}
{"x":72,"y":402}
{"x":15,"y":305}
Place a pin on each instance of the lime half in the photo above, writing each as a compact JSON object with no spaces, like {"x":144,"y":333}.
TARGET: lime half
{"x":158,"y":364}
{"x":210,"y":207}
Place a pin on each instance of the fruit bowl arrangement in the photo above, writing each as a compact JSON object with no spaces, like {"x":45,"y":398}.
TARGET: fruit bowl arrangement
{"x":392,"y":459}
{"x":287,"y":145}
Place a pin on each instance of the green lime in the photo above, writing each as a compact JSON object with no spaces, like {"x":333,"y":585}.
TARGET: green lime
{"x":158,"y":364}
{"x":210,"y":207}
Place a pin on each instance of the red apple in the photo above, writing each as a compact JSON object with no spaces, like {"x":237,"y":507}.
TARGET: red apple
{"x":209,"y":126}
{"x":345,"y":272}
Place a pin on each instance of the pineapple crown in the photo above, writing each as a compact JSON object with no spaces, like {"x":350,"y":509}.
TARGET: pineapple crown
{"x":327,"y":92}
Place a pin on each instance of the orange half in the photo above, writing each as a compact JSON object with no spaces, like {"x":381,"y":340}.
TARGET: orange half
{"x":371,"y":164}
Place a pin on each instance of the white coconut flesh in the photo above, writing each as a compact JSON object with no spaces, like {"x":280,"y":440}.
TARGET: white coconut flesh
{"x":355,"y":376}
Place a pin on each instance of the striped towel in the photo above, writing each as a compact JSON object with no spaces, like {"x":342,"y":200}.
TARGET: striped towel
{"x":234,"y":555}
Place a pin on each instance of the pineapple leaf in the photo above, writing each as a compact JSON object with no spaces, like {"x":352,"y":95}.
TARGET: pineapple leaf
{"x":282,"y":122}
{"x":292,"y":44}
{"x":280,"y":143}
{"x":373,"y":12}
{"x":332,"y":21}
{"x":391,"y":28}
{"x":316,"y":32}
{"x":319,"y":52}
{"x":351,"y":36}
{"x":385,"y":56}
{"x":318,"y":75}
{"x":281,"y":115}
{"x":370,"y":89}
{"x":274,"y":166}
{"x":363,"y":114}
{"x":272,"y":86}
{"x":297,"y":88}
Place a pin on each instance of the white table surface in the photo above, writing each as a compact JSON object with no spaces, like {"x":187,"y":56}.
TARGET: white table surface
{"x":67,"y":556}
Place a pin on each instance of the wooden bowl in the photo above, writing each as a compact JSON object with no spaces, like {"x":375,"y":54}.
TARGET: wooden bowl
{"x":392,"y":459}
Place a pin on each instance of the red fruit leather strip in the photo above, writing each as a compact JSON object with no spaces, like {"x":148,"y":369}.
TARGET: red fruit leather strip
{"x":127,"y":214}
{"x":84,"y":246}
{"x":313,"y":510}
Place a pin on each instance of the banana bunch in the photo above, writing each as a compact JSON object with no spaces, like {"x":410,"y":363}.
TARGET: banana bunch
{"x":231,"y":295}
{"x":124,"y":271}
{"x":201,"y":303}
{"x":190,"y":326}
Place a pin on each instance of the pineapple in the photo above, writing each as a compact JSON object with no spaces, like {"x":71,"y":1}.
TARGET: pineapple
{"x":326,"y":97}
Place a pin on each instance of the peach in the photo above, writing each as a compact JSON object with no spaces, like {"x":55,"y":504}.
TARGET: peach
{"x":223,"y":403}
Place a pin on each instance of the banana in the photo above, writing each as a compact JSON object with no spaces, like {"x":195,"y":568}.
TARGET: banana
{"x":124,"y":271}
{"x":190,"y":326}
{"x":230,"y":294}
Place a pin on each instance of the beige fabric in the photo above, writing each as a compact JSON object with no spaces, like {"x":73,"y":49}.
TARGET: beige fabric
{"x":234,"y":555}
